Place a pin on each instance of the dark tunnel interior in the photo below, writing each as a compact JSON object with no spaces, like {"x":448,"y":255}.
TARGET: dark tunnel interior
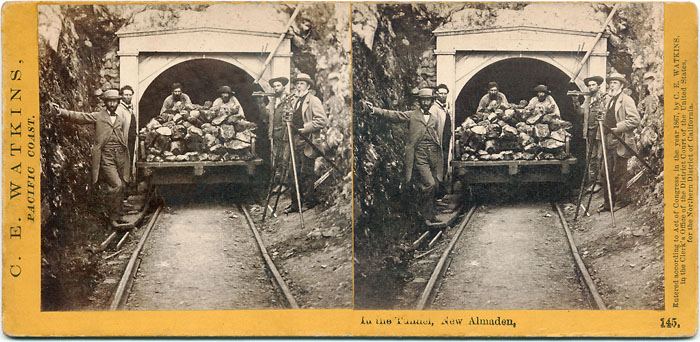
{"x":200,"y":79}
{"x":516,"y":78}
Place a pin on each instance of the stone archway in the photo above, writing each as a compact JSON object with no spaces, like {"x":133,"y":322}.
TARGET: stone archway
{"x":200,"y":79}
{"x":516,"y":78}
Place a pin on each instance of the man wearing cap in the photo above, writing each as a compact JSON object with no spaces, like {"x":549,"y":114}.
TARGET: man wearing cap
{"x":127,"y":110}
{"x":442,"y":109}
{"x":593,"y":109}
{"x":621,"y":118}
{"x":227,"y":102}
{"x":176,"y":97}
{"x":423,"y":149}
{"x":110,"y":155}
{"x":492,"y":95}
{"x":308,"y":119}
{"x":544,"y":101}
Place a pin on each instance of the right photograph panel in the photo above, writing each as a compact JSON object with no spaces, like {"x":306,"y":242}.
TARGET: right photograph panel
{"x":508,"y":156}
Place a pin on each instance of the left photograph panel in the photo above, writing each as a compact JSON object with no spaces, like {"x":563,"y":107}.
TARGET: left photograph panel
{"x":195,"y":156}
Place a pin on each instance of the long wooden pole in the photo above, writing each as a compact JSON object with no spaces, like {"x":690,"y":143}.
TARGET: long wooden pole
{"x":607,"y":172}
{"x":278,"y":43}
{"x":595,"y":41}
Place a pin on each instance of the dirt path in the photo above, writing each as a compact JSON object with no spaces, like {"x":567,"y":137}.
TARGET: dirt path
{"x":512,"y":256}
{"x":316,"y":262}
{"x":202,"y":256}
{"x":625,"y":261}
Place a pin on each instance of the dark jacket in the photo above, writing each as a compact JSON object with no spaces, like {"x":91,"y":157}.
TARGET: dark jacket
{"x":103,"y":130}
{"x":416,"y":128}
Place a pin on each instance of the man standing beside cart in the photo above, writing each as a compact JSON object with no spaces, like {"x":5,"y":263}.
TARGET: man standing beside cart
{"x":423,"y":149}
{"x":127,"y":109}
{"x":592,"y":109}
{"x":307,"y":119}
{"x":621,"y":118}
{"x":110,"y":154}
{"x":442,"y":109}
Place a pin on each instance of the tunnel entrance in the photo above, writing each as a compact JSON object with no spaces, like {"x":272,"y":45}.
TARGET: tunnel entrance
{"x":200,"y":79}
{"x":516,"y":77}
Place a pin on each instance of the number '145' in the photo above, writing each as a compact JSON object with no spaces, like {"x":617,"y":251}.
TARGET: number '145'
{"x":669,"y":323}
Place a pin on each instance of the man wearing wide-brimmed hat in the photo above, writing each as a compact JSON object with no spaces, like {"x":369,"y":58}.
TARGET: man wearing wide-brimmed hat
{"x":227,"y":101}
{"x":110,"y":154}
{"x":423,"y":149}
{"x":275,"y":112}
{"x":544,"y":101}
{"x":621,"y":118}
{"x":592,"y":110}
{"x":308,"y":119}
{"x":493,"y":94}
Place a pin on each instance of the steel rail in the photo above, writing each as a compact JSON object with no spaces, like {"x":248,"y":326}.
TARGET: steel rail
{"x":441,"y":263}
{"x":132,"y":266}
{"x":278,"y":277}
{"x":579,"y":262}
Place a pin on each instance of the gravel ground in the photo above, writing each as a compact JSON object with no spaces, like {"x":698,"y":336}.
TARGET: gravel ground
{"x":202,"y":257}
{"x":512,"y":256}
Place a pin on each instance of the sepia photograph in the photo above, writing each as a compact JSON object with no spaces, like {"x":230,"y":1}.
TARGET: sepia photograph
{"x":508,"y":156}
{"x":195,"y":156}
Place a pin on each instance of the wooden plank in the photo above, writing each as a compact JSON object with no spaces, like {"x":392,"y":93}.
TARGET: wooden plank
{"x":420,"y":239}
{"x":256,"y":161}
{"x":131,"y":267}
{"x":434,"y":240}
{"x":579,"y":262}
{"x":271,"y":265}
{"x":441,"y":263}
{"x":490,"y":163}
{"x":512,"y":169}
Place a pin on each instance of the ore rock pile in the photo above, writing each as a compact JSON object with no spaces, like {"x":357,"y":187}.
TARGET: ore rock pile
{"x":198,"y":133}
{"x":513,"y":132}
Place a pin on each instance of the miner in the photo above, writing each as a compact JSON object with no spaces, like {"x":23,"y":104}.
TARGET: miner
{"x":544,"y":101}
{"x":176,"y":100}
{"x":442,"y":109}
{"x":127,"y":109}
{"x":307,"y":119}
{"x":492,"y":95}
{"x":227,"y":101}
{"x":592,"y":110}
{"x":110,"y":155}
{"x":621,"y":118}
{"x":423,"y":149}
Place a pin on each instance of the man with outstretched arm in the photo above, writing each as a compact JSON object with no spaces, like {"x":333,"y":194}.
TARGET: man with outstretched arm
{"x":110,"y":155}
{"x":423,"y":149}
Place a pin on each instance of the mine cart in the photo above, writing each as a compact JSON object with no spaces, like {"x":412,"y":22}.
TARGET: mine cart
{"x":512,"y":171}
{"x":504,"y":171}
{"x":152,"y":59}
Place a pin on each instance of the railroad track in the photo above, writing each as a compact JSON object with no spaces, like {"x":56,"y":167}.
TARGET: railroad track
{"x":129,"y":274}
{"x":437,"y":276}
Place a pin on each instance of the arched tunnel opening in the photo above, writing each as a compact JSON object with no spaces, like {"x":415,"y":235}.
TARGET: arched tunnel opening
{"x":200,"y":79}
{"x":516,"y":78}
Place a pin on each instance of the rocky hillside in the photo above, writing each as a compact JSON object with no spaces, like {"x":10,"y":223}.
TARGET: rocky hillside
{"x":393,"y":54}
{"x":78,"y":61}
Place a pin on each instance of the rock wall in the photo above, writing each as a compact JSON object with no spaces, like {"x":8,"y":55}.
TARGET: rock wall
{"x":78,"y":61}
{"x":393,"y":54}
